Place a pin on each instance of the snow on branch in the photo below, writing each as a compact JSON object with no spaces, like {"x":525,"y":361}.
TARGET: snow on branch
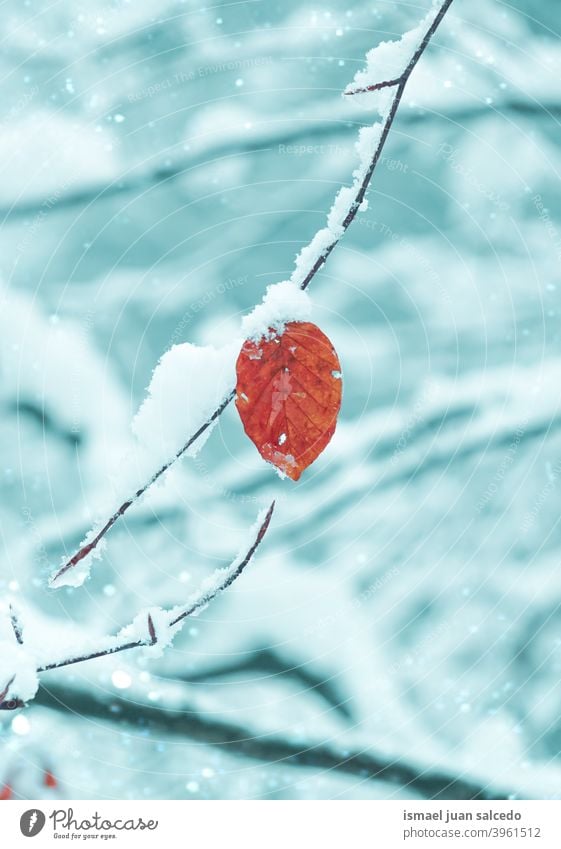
{"x":394,"y":62}
{"x":152,"y":629}
{"x":391,"y":62}
{"x":389,"y":66}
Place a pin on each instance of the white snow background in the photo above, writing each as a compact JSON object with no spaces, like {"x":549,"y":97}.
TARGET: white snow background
{"x":161,"y":165}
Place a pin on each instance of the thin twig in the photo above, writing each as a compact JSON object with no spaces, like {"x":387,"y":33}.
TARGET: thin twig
{"x":205,"y":599}
{"x":354,"y":206}
{"x":375,"y":86}
{"x":401,"y":83}
{"x":416,"y":56}
{"x":16,"y":625}
{"x":6,"y":689}
{"x":86,"y":549}
{"x":200,"y":603}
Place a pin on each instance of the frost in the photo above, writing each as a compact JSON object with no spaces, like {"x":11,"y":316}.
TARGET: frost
{"x":282,"y":302}
{"x":16,"y":661}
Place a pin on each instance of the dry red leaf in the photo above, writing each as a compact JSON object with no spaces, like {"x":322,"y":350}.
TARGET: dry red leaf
{"x":288,"y":395}
{"x":49,"y":779}
{"x":6,"y":792}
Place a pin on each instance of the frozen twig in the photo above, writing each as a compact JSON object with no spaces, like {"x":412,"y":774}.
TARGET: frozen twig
{"x":16,"y":625}
{"x":6,"y":689}
{"x":361,"y":185}
{"x":302,"y":276}
{"x":401,"y":80}
{"x":10,"y":703}
{"x":90,"y":546}
{"x":225,"y":578}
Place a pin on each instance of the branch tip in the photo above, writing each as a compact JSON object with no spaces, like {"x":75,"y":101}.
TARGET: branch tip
{"x":152,"y":631}
{"x":6,"y":689}
{"x":16,"y":625}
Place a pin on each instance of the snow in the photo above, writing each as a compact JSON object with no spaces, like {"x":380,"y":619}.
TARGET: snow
{"x":281,"y":303}
{"x":187,"y":385}
{"x":368,"y":140}
{"x":397,"y":54}
{"x":139,"y":629}
{"x":191,"y":381}
{"x":55,"y":365}
{"x":307,"y":257}
{"x":389,"y":59}
{"x":15,"y":661}
{"x":222,"y":577}
{"x":51,"y":646}
{"x":441,"y":604}
{"x":76,"y":576}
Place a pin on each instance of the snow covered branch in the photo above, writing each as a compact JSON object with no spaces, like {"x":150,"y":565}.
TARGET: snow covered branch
{"x":152,"y":629}
{"x":16,"y":625}
{"x":401,"y":57}
{"x":91,"y":544}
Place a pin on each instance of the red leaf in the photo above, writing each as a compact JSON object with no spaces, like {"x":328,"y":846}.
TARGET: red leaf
{"x":288,"y":395}
{"x":49,"y":779}
{"x":6,"y":792}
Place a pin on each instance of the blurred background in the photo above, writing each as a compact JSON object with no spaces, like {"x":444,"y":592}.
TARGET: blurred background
{"x":398,"y":635}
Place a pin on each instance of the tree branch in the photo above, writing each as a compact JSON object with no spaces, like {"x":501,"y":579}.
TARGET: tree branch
{"x":224,"y":579}
{"x":401,"y":83}
{"x":268,"y":748}
{"x":231,"y":574}
{"x":87,"y":549}
{"x":269,"y":664}
{"x":16,"y":625}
